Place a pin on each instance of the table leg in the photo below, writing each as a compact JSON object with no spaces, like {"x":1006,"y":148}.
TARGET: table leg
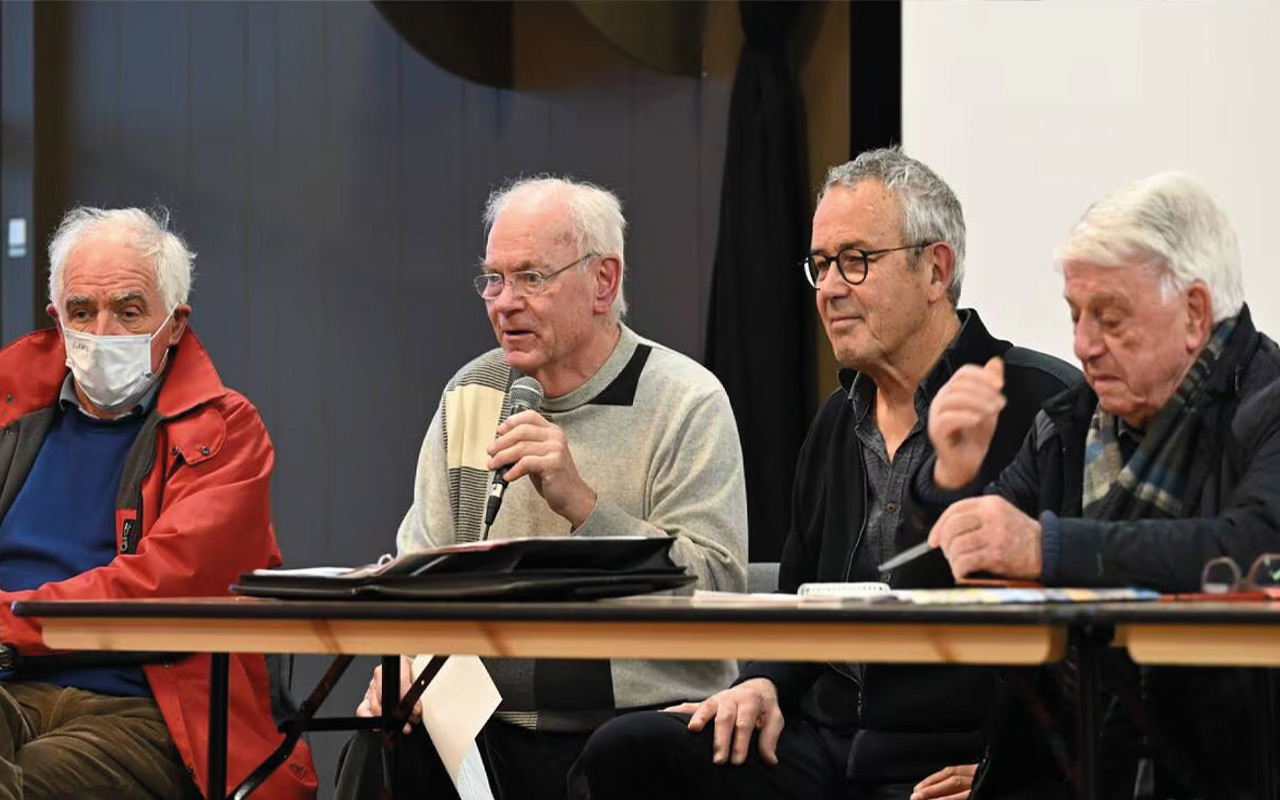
{"x":302,"y":722}
{"x":390,"y":699}
{"x":217,"y":784}
{"x":1264,"y":750}
{"x":394,"y":716}
{"x":1091,"y":649}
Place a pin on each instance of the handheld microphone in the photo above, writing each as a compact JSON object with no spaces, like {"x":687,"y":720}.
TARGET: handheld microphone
{"x":526,"y":395}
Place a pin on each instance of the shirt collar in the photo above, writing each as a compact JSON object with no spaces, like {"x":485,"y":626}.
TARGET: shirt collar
{"x":862,"y":390}
{"x":862,"y":397}
{"x":67,"y":398}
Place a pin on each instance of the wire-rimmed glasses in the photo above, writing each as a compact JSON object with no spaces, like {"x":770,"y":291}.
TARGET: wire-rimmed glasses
{"x":525,"y":283}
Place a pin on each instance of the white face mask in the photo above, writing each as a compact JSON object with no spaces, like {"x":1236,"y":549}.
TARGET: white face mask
{"x":114,"y":372}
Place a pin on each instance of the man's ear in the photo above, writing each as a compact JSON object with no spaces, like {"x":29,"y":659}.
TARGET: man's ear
{"x":608,"y":281}
{"x":52,"y":311}
{"x":940,"y":258}
{"x":181,"y":314}
{"x":1199,"y":316}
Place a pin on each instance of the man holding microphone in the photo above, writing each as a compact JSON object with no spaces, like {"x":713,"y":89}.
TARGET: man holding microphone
{"x":632,"y":439}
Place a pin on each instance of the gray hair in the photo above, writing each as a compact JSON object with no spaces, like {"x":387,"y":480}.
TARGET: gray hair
{"x":1167,"y":220}
{"x":596,"y":224}
{"x":165,"y":250}
{"x":930,"y":210}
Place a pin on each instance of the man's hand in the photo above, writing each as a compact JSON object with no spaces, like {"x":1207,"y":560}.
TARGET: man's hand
{"x":371,"y":705}
{"x":988,"y":534}
{"x":949,"y":783}
{"x":962,"y":420}
{"x":738,"y":712}
{"x":535,"y":447}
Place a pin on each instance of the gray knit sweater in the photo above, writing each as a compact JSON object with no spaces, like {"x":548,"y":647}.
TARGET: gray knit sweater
{"x":653,"y":434}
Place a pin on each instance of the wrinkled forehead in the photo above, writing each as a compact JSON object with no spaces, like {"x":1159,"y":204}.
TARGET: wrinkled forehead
{"x":865,"y":215}
{"x":530,"y":233}
{"x":108,"y":264}
{"x":1086,"y":281}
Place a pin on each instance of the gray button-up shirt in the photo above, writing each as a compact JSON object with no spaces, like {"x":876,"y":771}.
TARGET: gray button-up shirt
{"x":887,"y":480}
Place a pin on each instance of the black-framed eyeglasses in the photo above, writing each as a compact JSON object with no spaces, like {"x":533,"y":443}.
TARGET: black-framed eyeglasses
{"x":1222,"y":575}
{"x":852,"y":263}
{"x":525,"y":283}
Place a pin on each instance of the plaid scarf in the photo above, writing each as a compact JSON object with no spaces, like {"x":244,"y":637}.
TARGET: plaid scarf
{"x":1152,"y":482}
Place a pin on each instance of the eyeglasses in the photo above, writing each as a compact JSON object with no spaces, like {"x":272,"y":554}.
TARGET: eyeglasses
{"x":851,"y":262}
{"x":525,"y":283}
{"x":1221,"y":575}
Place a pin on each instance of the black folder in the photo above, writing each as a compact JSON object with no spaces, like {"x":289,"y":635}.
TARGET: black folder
{"x":550,"y":568}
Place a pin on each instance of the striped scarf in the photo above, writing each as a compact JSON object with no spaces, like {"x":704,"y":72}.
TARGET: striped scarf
{"x":1152,"y":482}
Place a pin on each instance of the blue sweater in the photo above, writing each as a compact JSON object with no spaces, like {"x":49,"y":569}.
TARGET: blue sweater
{"x":62,"y":523}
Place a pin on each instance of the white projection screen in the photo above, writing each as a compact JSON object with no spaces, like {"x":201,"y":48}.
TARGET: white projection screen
{"x":1031,"y":110}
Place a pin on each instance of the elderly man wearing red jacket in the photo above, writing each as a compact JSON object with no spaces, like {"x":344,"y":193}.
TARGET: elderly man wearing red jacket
{"x":126,"y":470}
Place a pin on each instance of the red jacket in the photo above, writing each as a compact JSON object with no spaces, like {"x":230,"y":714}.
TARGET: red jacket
{"x":205,"y":517}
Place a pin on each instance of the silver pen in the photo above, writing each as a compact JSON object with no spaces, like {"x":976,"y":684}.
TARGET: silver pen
{"x":910,"y":554}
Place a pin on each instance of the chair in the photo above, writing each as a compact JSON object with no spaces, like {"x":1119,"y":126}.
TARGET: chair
{"x":762,"y":576}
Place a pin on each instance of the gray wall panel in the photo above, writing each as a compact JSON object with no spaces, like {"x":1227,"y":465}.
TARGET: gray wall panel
{"x":151,"y":152}
{"x":264,"y":244}
{"x":18,"y":171}
{"x":664,"y":235}
{"x":217,"y":177}
{"x":360,"y":271}
{"x":301,"y":266}
{"x":93,"y":103}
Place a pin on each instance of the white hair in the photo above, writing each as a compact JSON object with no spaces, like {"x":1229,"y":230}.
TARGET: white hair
{"x":167,"y":253}
{"x":1167,"y":220}
{"x":595,"y":220}
{"x":931,"y":212}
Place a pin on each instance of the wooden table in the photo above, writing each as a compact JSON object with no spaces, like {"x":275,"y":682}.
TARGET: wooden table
{"x":645,"y":627}
{"x":652,"y":628}
{"x":1225,"y":634}
{"x":1204,"y":634}
{"x":1217,"y":634}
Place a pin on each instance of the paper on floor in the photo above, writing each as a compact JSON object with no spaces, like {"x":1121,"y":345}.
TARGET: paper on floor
{"x":455,"y":706}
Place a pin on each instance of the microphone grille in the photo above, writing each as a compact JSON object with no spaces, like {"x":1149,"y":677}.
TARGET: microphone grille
{"x":526,"y":395}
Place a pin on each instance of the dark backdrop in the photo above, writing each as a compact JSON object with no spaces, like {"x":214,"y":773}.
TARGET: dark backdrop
{"x":331,"y":180}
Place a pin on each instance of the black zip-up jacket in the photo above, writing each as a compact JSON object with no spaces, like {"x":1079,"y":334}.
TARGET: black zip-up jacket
{"x":1233,"y":501}
{"x":907,"y":720}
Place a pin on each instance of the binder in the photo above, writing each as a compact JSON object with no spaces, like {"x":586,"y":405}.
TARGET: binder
{"x":544,"y":568}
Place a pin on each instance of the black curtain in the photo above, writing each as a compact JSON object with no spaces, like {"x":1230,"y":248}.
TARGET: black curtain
{"x":875,"y":75}
{"x":756,"y":339}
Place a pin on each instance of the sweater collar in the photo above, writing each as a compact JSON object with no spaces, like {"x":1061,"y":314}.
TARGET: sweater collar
{"x":597,"y":383}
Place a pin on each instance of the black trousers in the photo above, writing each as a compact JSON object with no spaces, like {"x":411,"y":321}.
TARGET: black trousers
{"x":654,"y":755}
{"x":522,"y":765}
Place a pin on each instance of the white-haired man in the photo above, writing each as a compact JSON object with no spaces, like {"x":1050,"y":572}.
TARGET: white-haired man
{"x":128,"y":470}
{"x":1168,"y":458}
{"x":886,"y":263}
{"x":632,"y":439}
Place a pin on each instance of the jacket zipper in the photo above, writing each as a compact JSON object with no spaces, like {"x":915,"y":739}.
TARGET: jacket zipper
{"x":838,"y":667}
{"x":129,"y":536}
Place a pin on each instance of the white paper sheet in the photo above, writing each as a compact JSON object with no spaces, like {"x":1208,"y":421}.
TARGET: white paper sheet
{"x":455,"y":706}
